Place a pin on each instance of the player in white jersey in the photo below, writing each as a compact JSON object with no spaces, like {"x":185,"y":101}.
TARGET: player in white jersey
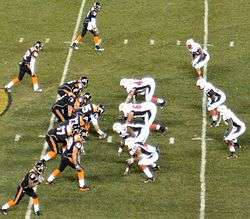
{"x":236,"y":129}
{"x":27,"y":65}
{"x":216,"y":97}
{"x":200,"y":56}
{"x":145,"y":110}
{"x":136,"y":131}
{"x":146,"y":155}
{"x":89,"y":25}
{"x":144,"y":86}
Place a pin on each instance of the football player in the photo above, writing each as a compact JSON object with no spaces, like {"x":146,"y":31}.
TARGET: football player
{"x":66,"y":106}
{"x":145,"y":110}
{"x":27,"y":65}
{"x":71,"y":157}
{"x":200,"y":57}
{"x":89,"y":24}
{"x":235,"y":130}
{"x":138,"y":131}
{"x":30,"y":180}
{"x":143,"y":86}
{"x":146,"y":155}
{"x":216,"y":97}
{"x":73,"y":88}
{"x":92,"y":112}
{"x":59,"y":135}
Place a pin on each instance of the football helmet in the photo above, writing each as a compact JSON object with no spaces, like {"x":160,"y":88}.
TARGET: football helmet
{"x":100,"y":109}
{"x":40,"y":166}
{"x":84,"y":80}
{"x":121,"y":107}
{"x":117,"y":127}
{"x":87,"y":97}
{"x":123,"y":82}
{"x":38,"y":45}
{"x":189,"y":43}
{"x":97,"y":6}
{"x":201,"y":83}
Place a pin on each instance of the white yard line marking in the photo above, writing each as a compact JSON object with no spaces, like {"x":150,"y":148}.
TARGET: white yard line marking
{"x":109,"y":139}
{"x":21,"y":40}
{"x":178,"y":42}
{"x":65,"y":71}
{"x":125,"y":41}
{"x":231,"y":44}
{"x":151,"y":42}
{"x":199,"y":139}
{"x":17,"y":137}
{"x":204,"y":126}
{"x":171,"y":140}
{"x":41,"y":136}
{"x":47,"y":40}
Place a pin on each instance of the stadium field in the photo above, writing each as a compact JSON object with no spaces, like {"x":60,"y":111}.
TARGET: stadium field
{"x":140,"y":38}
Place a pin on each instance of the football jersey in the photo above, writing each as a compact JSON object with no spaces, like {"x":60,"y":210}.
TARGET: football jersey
{"x":138,"y":85}
{"x":212,"y":92}
{"x":30,"y":180}
{"x":29,"y":58}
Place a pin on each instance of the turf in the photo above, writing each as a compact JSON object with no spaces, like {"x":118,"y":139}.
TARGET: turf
{"x":176,"y":192}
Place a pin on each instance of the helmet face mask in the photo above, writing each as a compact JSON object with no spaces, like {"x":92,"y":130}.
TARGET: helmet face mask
{"x":84,"y":80}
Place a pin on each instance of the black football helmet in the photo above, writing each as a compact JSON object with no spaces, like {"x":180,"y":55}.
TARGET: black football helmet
{"x":97,"y":6}
{"x":40,"y":166}
{"x":38,"y":45}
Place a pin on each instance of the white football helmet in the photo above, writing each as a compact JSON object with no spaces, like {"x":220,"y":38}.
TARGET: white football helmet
{"x":124,"y":82}
{"x":189,"y":43}
{"x":201,"y":83}
{"x":122,"y":107}
{"x":117,"y":127}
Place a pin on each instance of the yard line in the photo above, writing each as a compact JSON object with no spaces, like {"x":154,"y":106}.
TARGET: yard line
{"x":204,"y":126}
{"x":65,"y":72}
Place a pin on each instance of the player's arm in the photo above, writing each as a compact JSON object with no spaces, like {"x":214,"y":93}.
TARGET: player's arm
{"x":130,"y":116}
{"x":94,"y":122}
{"x":130,"y":96}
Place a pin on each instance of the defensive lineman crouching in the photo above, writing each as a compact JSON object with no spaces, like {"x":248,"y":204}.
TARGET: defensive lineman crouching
{"x":31,"y":179}
{"x":71,"y":156}
{"x":146,"y":155}
{"x":143,"y":87}
{"x":235,"y":130}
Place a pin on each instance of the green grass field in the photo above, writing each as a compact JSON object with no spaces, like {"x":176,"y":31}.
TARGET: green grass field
{"x":176,"y":192}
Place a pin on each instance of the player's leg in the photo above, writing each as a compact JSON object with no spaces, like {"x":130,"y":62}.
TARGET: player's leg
{"x":35,"y":83}
{"x":22,"y":70}
{"x":58,"y":112}
{"x":57,"y":172}
{"x":97,"y":40}
{"x":19,"y":195}
{"x":79,"y":38}
{"x":35,"y":201}
{"x":51,"y":141}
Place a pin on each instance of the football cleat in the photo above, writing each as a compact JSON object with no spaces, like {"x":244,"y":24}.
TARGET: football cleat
{"x":163,"y":128}
{"x":4,"y":211}
{"x":232,"y":156}
{"x":74,"y":46}
{"x":99,"y":49}
{"x":38,"y":213}
{"x":39,"y":90}
{"x":84,"y":188}
{"x":162,"y":105}
{"x":8,"y":90}
{"x":149,"y":180}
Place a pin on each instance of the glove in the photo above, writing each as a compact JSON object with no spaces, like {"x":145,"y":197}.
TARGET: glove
{"x":130,"y":161}
{"x":119,"y":151}
{"x":103,"y":135}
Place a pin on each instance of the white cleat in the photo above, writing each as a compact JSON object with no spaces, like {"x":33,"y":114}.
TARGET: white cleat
{"x":39,"y":90}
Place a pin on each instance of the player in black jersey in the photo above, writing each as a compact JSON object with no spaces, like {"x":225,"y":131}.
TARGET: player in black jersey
{"x":92,"y":112}
{"x":71,"y":157}
{"x":66,"y":106}
{"x":73,"y":88}
{"x":27,"y":65}
{"x":59,"y":135}
{"x":30,"y":180}
{"x":89,"y":24}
